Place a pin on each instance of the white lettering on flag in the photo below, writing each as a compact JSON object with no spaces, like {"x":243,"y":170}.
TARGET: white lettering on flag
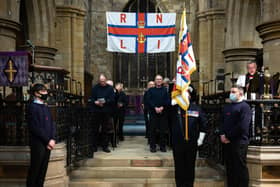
{"x":160,"y":45}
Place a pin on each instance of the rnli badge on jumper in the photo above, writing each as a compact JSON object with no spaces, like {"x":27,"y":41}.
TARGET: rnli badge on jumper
{"x":192,"y":113}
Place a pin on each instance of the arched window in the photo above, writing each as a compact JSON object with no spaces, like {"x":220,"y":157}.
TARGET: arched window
{"x":135,"y":70}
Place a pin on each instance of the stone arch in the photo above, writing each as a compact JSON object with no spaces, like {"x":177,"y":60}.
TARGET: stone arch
{"x":41,"y":22}
{"x":242,"y":17}
{"x":39,"y":27}
{"x":159,"y":5}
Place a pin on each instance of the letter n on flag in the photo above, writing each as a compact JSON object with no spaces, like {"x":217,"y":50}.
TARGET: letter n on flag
{"x":186,"y":65}
{"x":140,"y":32}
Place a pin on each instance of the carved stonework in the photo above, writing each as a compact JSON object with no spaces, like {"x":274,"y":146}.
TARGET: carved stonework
{"x":269,"y":30}
{"x":263,"y":164}
{"x":45,"y":55}
{"x":8,"y":30}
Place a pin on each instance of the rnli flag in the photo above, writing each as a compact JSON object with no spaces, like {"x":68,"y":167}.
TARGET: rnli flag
{"x":140,"y":32}
{"x":186,"y":65}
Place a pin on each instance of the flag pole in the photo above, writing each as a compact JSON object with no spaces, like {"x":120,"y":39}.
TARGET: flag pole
{"x":186,"y":114}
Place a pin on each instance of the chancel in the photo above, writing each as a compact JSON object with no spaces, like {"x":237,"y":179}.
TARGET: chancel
{"x":137,"y":130}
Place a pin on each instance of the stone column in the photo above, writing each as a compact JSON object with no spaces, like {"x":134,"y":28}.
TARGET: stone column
{"x":8,"y":30}
{"x":270,"y":34}
{"x":70,"y":41}
{"x":236,"y":60}
{"x":9,"y":24}
{"x":45,"y":55}
{"x":203,"y":53}
{"x":211,"y":44}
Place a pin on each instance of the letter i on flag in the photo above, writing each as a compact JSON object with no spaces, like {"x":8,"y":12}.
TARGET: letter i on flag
{"x":185,"y":67}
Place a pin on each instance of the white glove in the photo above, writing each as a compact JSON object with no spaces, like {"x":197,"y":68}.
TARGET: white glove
{"x":173,"y":102}
{"x":201,"y":138}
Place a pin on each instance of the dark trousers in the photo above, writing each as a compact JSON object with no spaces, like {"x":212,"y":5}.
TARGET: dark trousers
{"x":170,"y":117}
{"x":146,"y":117}
{"x":236,"y":165}
{"x":105,"y":122}
{"x":38,"y":164}
{"x":121,"y":115}
{"x":184,"y":155}
{"x":159,"y":126}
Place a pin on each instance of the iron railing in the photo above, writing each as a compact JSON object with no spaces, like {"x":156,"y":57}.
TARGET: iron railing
{"x":264,"y":129}
{"x":73,"y":126}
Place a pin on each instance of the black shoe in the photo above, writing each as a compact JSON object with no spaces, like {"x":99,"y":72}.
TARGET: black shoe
{"x":106,"y":150}
{"x":94,"y":149}
{"x":163,"y":149}
{"x":153,"y":149}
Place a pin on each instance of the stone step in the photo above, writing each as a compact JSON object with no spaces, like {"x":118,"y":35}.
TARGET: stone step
{"x":137,"y":172}
{"x":134,"y":162}
{"x":142,"y":182}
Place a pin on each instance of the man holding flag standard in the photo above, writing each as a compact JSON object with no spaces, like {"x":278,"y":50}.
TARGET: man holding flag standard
{"x":189,"y":123}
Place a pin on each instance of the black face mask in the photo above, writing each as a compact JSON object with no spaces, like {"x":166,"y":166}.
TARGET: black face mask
{"x":44,"y":96}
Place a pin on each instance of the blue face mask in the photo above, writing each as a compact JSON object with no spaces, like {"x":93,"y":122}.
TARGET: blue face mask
{"x":233,"y":97}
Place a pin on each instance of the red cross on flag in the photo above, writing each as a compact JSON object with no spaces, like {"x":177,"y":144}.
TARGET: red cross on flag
{"x":140,"y":32}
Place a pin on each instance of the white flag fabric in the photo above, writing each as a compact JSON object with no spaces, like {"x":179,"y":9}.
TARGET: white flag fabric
{"x":140,"y":32}
{"x":186,"y":65}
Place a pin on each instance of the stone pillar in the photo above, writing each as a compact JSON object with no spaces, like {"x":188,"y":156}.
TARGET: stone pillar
{"x":264,"y":166}
{"x":236,"y":60}
{"x":270,"y":34}
{"x":211,"y":43}
{"x":70,"y":41}
{"x":8,"y":30}
{"x":16,"y":158}
{"x":9,"y":24}
{"x":203,"y":53}
{"x":45,"y":55}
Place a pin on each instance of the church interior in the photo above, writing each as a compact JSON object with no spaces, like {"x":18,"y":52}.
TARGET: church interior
{"x":65,"y":43}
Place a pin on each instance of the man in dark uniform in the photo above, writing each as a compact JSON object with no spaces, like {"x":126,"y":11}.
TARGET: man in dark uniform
{"x":122,"y":102}
{"x":234,"y":134}
{"x":184,"y":151}
{"x":145,"y":106}
{"x":158,"y":100}
{"x":103,"y":98}
{"x":42,"y":136}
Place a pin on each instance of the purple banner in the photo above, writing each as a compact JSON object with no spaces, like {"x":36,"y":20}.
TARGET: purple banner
{"x":14,"y":68}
